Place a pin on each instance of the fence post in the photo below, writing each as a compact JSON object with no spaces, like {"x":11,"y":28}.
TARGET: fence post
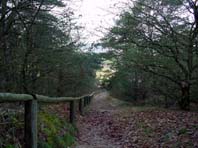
{"x":89,"y":99}
{"x":84,"y":98}
{"x":81,"y":106}
{"x":72,"y":112}
{"x":31,"y":124}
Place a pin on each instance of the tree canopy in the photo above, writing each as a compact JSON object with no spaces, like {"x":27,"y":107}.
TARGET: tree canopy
{"x":159,"y":38}
{"x":39,"y":51}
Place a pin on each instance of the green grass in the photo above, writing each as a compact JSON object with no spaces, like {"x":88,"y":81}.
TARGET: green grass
{"x":55,"y":132}
{"x":146,"y":129}
{"x":183,"y":131}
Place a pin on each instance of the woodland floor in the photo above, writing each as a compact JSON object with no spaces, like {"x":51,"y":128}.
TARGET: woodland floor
{"x":111,"y":123}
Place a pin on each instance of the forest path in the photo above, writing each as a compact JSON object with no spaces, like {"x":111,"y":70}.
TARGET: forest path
{"x":93,"y":125}
{"x":112,"y":123}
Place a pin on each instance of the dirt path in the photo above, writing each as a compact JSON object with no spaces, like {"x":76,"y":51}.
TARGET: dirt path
{"x":92,"y":127}
{"x":110,"y":123}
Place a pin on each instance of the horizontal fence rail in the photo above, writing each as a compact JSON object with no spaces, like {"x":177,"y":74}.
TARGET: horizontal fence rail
{"x":11,"y":97}
{"x":31,"y":110}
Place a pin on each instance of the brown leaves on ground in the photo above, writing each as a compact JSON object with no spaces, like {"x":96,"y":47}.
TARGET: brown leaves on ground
{"x":122,"y":127}
{"x":156,"y":129}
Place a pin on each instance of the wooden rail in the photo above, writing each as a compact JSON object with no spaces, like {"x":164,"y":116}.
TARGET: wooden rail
{"x":31,"y":109}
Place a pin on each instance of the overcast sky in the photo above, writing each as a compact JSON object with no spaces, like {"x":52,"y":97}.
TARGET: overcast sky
{"x":97,"y":15}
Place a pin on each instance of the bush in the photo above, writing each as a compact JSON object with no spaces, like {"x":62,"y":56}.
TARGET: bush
{"x":55,"y":132}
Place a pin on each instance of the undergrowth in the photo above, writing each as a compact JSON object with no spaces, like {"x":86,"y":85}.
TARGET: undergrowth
{"x":53,"y":130}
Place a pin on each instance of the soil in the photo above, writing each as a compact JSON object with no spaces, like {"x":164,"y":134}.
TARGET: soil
{"x":112,"y":123}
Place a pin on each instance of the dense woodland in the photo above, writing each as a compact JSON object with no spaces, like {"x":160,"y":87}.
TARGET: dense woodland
{"x":154,"y":51}
{"x":41,"y":52}
{"x":151,"y":59}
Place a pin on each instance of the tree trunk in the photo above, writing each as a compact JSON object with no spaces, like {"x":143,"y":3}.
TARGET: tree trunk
{"x":166,"y":102}
{"x":7,"y":52}
{"x":24,"y":68}
{"x":60,"y":85}
{"x":184,"y":102}
{"x":135,"y":87}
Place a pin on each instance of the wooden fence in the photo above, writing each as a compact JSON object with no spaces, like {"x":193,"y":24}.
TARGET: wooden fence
{"x":31,"y":110}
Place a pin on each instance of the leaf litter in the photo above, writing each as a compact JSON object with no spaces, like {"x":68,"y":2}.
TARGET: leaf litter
{"x":110,"y":124}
